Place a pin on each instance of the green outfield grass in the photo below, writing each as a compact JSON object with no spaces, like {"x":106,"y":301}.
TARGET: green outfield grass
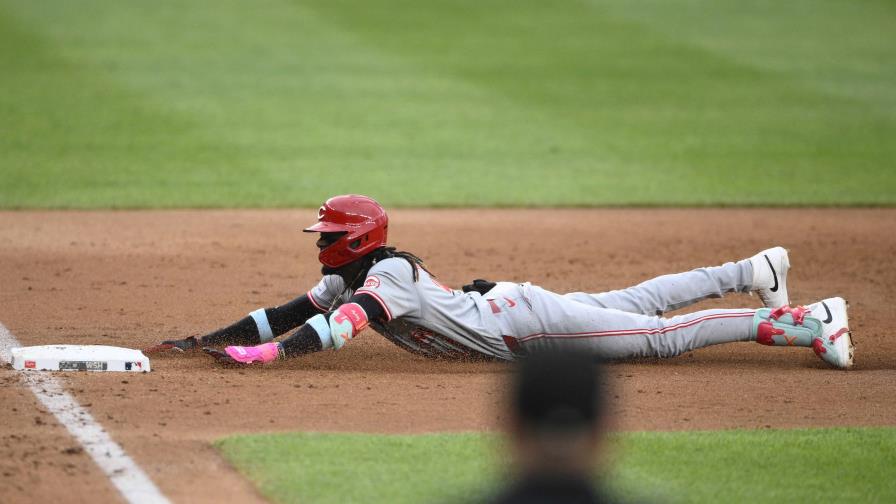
{"x":281,"y":103}
{"x":817,"y":465}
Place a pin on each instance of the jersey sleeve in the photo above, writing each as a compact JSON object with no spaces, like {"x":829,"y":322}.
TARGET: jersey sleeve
{"x":329,"y":288}
{"x":391,"y":284}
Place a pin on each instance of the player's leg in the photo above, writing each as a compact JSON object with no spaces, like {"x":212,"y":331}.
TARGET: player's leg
{"x":556,"y":321}
{"x":766,"y":273}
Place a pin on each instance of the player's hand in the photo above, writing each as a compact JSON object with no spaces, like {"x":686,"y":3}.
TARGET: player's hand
{"x":178,"y":346}
{"x":223,"y":357}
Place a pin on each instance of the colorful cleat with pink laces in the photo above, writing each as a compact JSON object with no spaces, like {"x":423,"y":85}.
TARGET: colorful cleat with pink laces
{"x":786,"y":326}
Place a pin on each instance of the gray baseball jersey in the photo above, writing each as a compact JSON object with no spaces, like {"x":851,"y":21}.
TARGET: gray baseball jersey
{"x":423,"y":317}
{"x":430,"y":319}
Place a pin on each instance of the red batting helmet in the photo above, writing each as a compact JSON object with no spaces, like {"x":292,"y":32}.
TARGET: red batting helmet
{"x":363,"y":221}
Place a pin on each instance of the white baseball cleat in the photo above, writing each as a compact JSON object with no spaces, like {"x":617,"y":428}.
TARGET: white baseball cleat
{"x":835,"y":344}
{"x":770,"y":276}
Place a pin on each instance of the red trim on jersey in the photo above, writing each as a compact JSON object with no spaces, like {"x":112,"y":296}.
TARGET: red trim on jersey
{"x":635,"y":332}
{"x":513,"y":345}
{"x":437,"y":283}
{"x":314,"y":302}
{"x":378,"y":300}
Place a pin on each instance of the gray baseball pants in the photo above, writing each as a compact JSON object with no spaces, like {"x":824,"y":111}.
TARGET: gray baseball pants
{"x":628,"y":323}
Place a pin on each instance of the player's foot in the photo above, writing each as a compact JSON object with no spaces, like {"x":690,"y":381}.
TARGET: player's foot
{"x":786,"y":326}
{"x":770,"y":276}
{"x":835,"y":345}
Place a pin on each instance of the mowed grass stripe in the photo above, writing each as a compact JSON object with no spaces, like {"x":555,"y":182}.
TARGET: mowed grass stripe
{"x":302,"y":111}
{"x":817,"y":465}
{"x":834,"y":46}
{"x":672,"y":120}
{"x":279,"y":103}
{"x":73,"y":136}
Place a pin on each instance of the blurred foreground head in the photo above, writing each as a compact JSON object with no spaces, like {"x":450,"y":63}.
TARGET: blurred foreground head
{"x":557,"y":414}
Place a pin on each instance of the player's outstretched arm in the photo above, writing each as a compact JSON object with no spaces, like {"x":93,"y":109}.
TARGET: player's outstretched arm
{"x":259,"y":326}
{"x":320,"y":332}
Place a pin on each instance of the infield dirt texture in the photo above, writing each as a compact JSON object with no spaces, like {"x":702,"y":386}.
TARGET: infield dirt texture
{"x":557,"y":110}
{"x":133,"y":278}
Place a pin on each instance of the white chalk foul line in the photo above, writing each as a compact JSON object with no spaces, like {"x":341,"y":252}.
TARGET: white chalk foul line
{"x":134,"y":485}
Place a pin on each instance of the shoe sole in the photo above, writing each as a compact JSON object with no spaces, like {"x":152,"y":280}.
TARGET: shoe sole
{"x":851,"y":351}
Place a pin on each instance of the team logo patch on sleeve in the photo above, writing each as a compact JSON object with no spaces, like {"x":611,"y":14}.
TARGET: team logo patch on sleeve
{"x":372,"y":282}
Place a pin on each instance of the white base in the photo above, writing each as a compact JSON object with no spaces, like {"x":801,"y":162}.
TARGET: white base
{"x":79,"y":358}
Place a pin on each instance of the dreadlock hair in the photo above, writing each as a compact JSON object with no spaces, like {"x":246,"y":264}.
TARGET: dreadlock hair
{"x":354,"y":273}
{"x":389,"y":252}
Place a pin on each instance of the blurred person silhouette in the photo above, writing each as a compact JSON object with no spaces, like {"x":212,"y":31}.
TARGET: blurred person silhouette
{"x":556,"y":429}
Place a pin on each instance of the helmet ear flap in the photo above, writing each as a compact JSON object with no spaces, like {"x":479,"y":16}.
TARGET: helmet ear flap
{"x":357,"y":243}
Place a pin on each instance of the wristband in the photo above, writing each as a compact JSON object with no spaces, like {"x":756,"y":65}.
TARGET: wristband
{"x":265,"y":333}
{"x":322,"y":328}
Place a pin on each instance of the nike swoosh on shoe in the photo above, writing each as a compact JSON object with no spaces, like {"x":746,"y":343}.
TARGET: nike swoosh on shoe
{"x":828,"y":311}
{"x":774,"y":273}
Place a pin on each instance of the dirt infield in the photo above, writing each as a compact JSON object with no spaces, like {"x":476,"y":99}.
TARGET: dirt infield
{"x":134,"y":278}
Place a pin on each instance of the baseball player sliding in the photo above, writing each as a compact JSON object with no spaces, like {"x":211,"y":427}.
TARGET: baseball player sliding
{"x":367,"y":283}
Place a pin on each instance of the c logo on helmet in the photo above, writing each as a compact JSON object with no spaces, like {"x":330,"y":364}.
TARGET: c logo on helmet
{"x":320,"y":213}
